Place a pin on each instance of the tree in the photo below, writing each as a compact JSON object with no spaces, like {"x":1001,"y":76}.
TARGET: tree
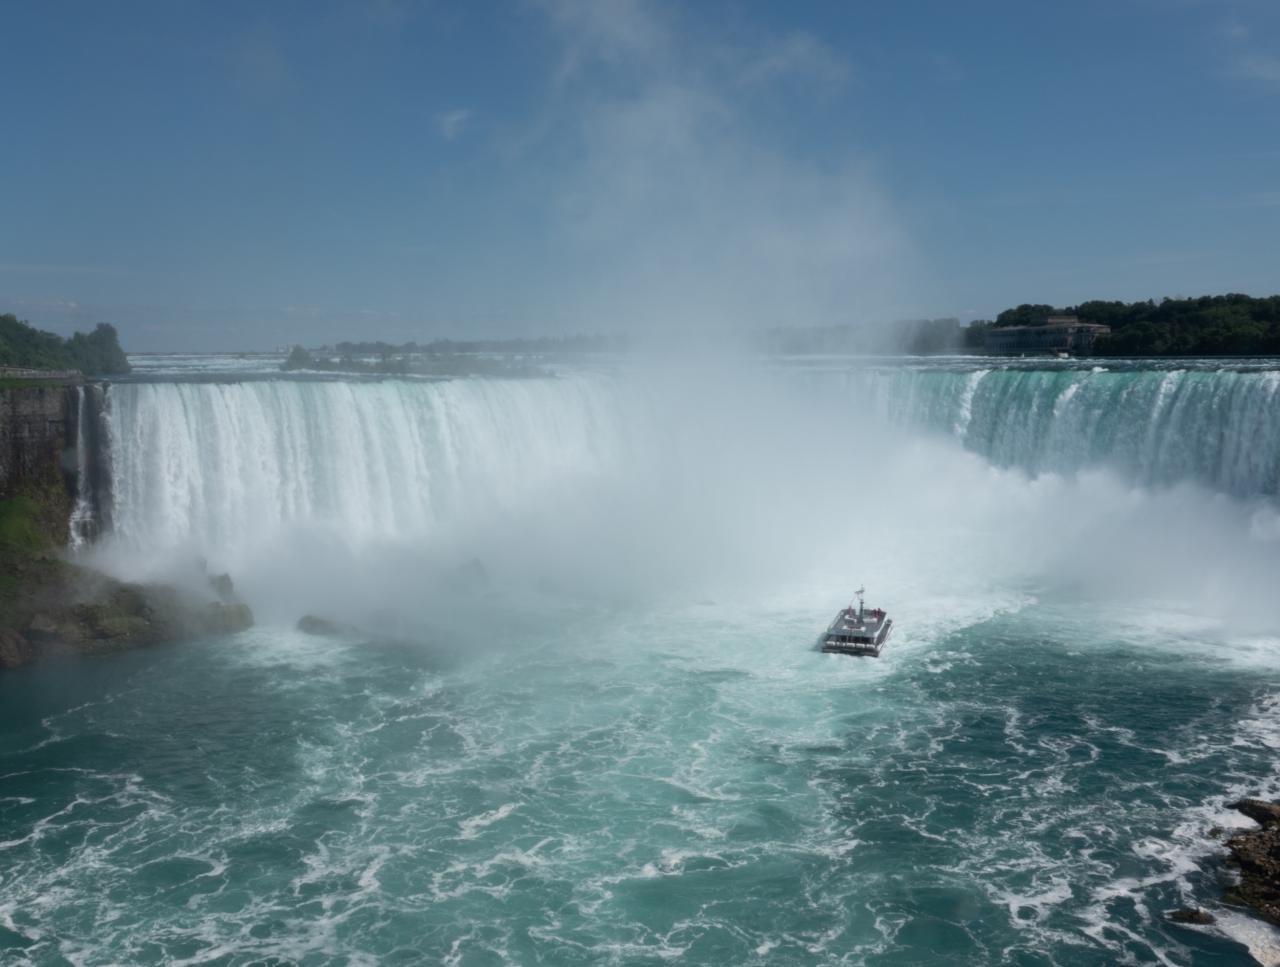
{"x":95,"y":354}
{"x":1026,"y":315}
{"x":99,"y":352}
{"x":299,"y":358}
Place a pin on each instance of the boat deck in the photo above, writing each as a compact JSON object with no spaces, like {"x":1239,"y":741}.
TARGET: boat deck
{"x":851,"y":635}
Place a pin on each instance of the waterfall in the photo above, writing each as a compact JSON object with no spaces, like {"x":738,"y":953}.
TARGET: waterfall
{"x":86,"y":518}
{"x":221,"y":464}
{"x":1218,"y":428}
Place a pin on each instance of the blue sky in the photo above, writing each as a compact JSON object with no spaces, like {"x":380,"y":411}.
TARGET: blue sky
{"x":242,"y":175}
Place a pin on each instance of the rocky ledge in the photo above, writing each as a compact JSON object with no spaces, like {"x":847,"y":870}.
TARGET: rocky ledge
{"x":48,"y":603}
{"x":1256,"y":853}
{"x":87,"y":612}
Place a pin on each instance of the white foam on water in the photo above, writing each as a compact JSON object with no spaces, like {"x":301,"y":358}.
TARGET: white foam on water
{"x":470,"y":828}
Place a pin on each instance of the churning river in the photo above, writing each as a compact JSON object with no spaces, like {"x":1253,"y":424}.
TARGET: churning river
{"x":575,"y":715}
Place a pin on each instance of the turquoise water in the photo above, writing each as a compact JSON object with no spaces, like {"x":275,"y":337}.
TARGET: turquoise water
{"x":1003,"y":793}
{"x":610,"y":740}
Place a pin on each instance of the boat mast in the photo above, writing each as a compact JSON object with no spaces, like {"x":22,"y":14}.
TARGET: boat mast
{"x":860,"y":592}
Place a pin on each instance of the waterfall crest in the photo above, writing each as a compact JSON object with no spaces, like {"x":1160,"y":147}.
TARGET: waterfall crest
{"x":1216,"y":428}
{"x":218,"y":463}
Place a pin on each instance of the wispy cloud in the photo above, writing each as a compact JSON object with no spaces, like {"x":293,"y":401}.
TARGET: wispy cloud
{"x":799,"y":54}
{"x":1248,"y":59}
{"x":451,"y":123}
{"x":1234,"y":30}
{"x":1259,"y":67}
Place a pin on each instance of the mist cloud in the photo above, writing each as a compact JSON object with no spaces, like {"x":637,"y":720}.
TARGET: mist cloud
{"x":679,"y":203}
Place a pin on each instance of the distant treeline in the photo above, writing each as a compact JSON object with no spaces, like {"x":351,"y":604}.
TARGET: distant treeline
{"x":97,"y":353}
{"x":1211,"y":325}
{"x":404,"y":363}
{"x":542,"y":346}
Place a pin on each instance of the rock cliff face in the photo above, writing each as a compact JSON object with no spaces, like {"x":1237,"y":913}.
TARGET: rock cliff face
{"x":53,"y":468}
{"x":37,"y":449}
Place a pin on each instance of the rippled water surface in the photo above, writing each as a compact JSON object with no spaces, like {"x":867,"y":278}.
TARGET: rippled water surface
{"x":1027,"y":788}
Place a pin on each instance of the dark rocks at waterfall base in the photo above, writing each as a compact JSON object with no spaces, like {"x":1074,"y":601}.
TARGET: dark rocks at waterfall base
{"x":310,"y":624}
{"x":1256,"y":853}
{"x":15,"y":650}
{"x":69,"y":608}
{"x":222,"y":587}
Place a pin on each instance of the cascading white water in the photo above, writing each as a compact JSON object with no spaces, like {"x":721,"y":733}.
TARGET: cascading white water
{"x":83,"y":523}
{"x":1152,"y":426}
{"x":223,"y":465}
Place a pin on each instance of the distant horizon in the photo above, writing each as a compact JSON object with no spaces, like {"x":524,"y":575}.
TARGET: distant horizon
{"x":423,"y":339}
{"x":255,"y":175}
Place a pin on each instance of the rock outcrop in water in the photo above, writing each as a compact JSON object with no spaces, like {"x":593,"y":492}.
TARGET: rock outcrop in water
{"x":68,"y":608}
{"x":48,"y":603}
{"x":1257,"y":854}
{"x":310,"y":624}
{"x":1193,"y":917}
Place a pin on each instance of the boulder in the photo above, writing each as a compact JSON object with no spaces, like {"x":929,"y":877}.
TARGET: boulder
{"x":222,"y":587}
{"x":1191,"y":915}
{"x":15,"y":650}
{"x":99,"y":614}
{"x":42,"y":627}
{"x":1257,"y":854}
{"x":310,"y":624}
{"x":1259,"y":810}
{"x":226,"y":618}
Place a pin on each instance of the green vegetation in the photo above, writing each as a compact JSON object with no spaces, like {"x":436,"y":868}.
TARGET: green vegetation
{"x":15,"y":383}
{"x":299,"y":358}
{"x":20,"y":530}
{"x":1219,"y":325}
{"x":974,"y":337}
{"x":1222,"y":325}
{"x":27,"y":564}
{"x":96,"y":353}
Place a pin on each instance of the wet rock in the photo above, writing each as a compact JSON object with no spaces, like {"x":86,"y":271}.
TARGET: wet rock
{"x":222,"y":587}
{"x":42,"y":627}
{"x":15,"y":650}
{"x":1259,"y":810}
{"x":1191,"y":915}
{"x":227,"y":618}
{"x":1257,"y":854}
{"x":99,"y":614}
{"x":310,"y":624}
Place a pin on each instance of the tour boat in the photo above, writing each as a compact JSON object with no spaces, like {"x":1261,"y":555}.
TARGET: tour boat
{"x":857,"y":631}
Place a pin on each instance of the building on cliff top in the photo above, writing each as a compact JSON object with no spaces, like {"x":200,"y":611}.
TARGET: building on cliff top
{"x":1058,"y":334}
